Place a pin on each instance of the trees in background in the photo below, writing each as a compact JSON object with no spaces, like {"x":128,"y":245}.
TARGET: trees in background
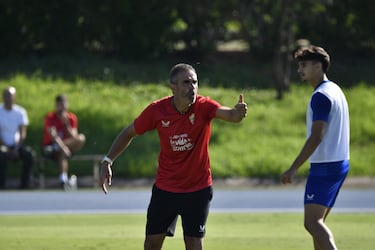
{"x":141,"y":29}
{"x":146,"y":28}
{"x":128,"y":28}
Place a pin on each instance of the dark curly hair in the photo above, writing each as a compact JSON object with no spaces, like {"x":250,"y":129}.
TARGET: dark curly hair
{"x":313,"y":53}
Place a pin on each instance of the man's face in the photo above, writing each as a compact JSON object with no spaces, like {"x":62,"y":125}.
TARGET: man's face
{"x":308,"y":70}
{"x":185,"y":90}
{"x":9,"y":97}
{"x":61,"y":106}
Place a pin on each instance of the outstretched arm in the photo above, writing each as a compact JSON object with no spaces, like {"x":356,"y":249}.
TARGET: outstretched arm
{"x":121,"y":142}
{"x":235,"y":114}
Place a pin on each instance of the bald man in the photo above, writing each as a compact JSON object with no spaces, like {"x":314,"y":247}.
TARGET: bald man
{"x":13,"y":125}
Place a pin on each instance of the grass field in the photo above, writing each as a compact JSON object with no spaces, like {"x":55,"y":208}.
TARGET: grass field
{"x":224,"y":232}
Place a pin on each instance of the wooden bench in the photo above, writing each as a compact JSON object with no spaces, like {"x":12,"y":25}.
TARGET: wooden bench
{"x":94,"y":158}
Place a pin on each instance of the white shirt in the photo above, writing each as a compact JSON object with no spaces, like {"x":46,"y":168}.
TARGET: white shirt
{"x":335,"y":143}
{"x":10,"y":122}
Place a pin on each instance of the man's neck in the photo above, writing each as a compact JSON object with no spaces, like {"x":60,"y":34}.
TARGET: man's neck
{"x":316,"y":82}
{"x":8,"y":107}
{"x":180,"y":108}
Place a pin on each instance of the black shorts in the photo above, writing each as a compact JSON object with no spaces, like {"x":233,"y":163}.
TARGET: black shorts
{"x":165,"y":207}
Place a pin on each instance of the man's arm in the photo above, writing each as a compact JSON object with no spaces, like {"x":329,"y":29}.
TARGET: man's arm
{"x":13,"y":151}
{"x":70,"y":130}
{"x":23,"y":132}
{"x":235,"y":114}
{"x":121,"y":142}
{"x":317,"y":133}
{"x":56,"y":139}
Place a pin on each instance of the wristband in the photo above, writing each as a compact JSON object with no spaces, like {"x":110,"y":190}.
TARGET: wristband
{"x":107,"y":159}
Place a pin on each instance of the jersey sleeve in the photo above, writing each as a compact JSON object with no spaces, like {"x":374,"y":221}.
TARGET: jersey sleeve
{"x":212,"y":107}
{"x":73,"y":120}
{"x":25,"y":118}
{"x":48,"y":120}
{"x":145,"y":122}
{"x":321,"y":106}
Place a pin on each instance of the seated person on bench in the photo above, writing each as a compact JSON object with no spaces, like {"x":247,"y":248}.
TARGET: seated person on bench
{"x":13,"y":127}
{"x":60,"y":137}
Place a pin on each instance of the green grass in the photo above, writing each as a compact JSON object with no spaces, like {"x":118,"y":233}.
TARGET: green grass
{"x":224,"y":231}
{"x":263,"y":145}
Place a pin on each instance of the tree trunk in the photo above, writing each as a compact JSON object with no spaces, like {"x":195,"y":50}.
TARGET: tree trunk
{"x":284,"y":47}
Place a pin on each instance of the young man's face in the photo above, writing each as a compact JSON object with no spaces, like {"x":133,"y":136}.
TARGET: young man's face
{"x":308,"y":70}
{"x":186,"y":87}
{"x":61,"y":106}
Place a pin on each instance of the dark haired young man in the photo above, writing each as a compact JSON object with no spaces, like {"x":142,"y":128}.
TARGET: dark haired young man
{"x":327,"y":145}
{"x":60,"y":137}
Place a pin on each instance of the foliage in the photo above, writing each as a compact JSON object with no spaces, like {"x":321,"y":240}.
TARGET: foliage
{"x":129,"y":30}
{"x":70,"y":26}
{"x":267,"y":31}
{"x":224,"y":231}
{"x":263,"y":145}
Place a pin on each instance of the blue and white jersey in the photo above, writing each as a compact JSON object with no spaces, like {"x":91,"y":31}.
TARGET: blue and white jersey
{"x":328,"y":103}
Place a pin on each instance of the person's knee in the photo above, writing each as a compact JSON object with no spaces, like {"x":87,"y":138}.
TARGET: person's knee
{"x":79,"y":140}
{"x":75,"y":144}
{"x":82,"y":138}
{"x":312,"y":225}
{"x":153,"y":242}
{"x":3,"y":149}
{"x":193,"y":243}
{"x":307,"y":225}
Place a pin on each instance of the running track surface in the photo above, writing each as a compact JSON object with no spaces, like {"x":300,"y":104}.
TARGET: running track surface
{"x":257,"y":200}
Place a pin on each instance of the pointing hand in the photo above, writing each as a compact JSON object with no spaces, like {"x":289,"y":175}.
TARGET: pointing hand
{"x":105,"y":176}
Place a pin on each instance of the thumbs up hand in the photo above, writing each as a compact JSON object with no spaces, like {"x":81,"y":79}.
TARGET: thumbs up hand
{"x":240,"y":99}
{"x":241,"y":107}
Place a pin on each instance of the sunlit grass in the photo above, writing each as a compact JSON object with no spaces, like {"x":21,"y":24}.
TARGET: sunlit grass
{"x":263,"y":145}
{"x":224,"y":231}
